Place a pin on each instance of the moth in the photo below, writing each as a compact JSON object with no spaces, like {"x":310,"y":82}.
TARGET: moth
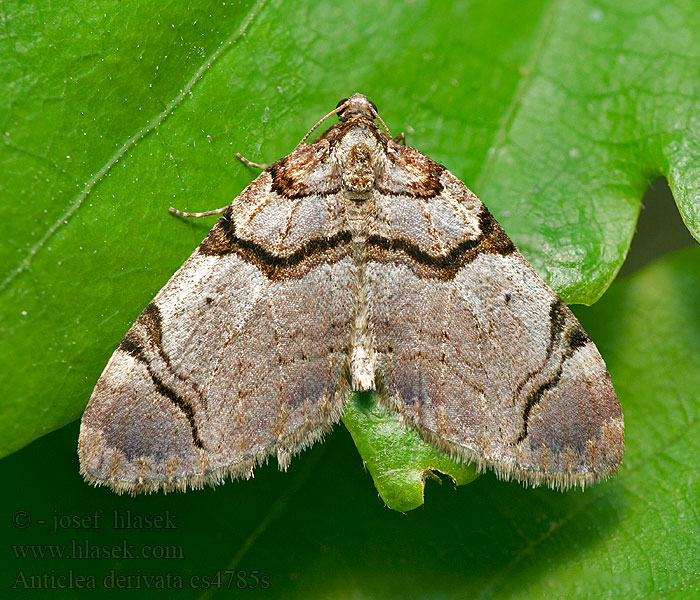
{"x":354,"y":263}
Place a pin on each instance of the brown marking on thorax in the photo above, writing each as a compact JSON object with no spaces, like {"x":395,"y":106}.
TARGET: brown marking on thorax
{"x":358,"y":171}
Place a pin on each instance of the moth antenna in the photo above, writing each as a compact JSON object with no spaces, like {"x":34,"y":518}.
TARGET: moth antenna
{"x":337,"y":109}
{"x":376,"y":114}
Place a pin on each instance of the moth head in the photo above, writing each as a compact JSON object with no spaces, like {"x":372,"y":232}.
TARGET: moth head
{"x":356,"y":105}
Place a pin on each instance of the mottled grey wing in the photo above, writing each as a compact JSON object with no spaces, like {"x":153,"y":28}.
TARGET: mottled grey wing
{"x":474,"y":349}
{"x":243,"y":353}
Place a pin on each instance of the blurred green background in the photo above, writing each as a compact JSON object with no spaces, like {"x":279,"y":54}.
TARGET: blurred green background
{"x":567,"y":119}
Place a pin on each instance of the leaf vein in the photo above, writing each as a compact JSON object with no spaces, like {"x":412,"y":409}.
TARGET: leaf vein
{"x":130,"y":143}
{"x":501,"y":134}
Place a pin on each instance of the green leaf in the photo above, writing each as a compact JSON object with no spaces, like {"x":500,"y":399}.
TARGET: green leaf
{"x":318,"y":530}
{"x":396,"y":457}
{"x":556,"y":113}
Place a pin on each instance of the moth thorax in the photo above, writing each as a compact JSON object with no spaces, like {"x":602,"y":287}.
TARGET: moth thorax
{"x":358,"y":171}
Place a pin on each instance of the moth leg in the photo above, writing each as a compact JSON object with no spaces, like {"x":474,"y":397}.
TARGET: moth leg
{"x":250,"y":163}
{"x":400,"y":139}
{"x":206,"y":213}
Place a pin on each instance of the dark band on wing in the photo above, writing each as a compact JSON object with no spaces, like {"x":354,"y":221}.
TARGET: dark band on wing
{"x":534,"y":398}
{"x":574,"y":338}
{"x":151,"y":322}
{"x":222,"y":240}
{"x":182,"y":404}
{"x":557,"y":319}
{"x":492,"y":240}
